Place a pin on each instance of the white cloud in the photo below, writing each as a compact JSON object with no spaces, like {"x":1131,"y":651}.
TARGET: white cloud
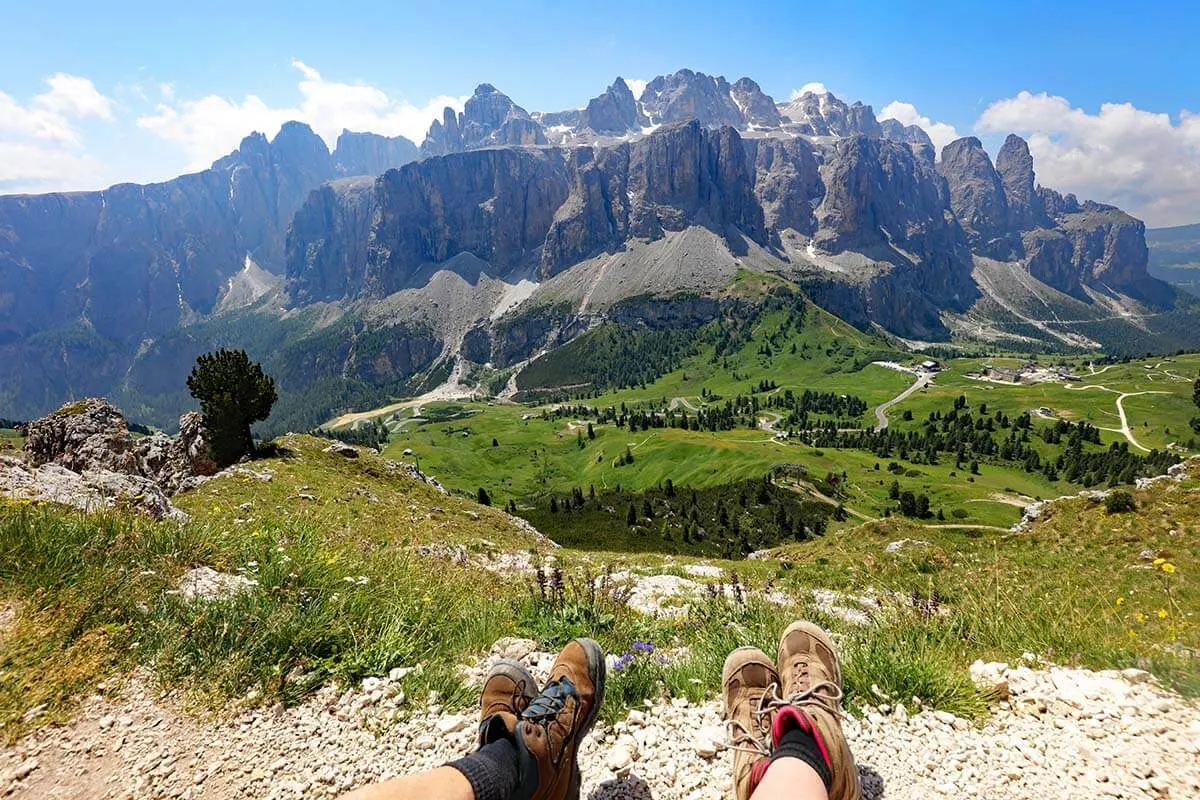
{"x":1139,"y":160}
{"x":212,"y":126}
{"x":72,"y":96}
{"x":41,"y":145}
{"x":637,"y":86}
{"x":942,"y":133}
{"x":816,"y":87}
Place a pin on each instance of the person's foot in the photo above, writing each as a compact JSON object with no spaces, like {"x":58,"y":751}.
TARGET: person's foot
{"x":507,"y":691}
{"x":748,"y":684}
{"x":811,"y":700}
{"x":553,"y":725}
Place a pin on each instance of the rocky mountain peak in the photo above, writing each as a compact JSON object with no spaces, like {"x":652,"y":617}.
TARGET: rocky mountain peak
{"x":915,"y":135}
{"x":616,"y":111}
{"x":370,"y":153}
{"x":687,"y":95}
{"x":757,"y":108}
{"x":823,"y":114}
{"x":976,"y":195}
{"x":1015,"y":167}
{"x":489,"y":118}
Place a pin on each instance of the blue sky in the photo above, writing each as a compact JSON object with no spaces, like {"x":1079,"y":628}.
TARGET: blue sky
{"x":173,"y":85}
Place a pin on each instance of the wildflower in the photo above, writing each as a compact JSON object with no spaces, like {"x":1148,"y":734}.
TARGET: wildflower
{"x":1141,"y":617}
{"x":1158,"y":562}
{"x":1162,"y":613}
{"x":1168,"y":568}
{"x":623,"y":662}
{"x":348,"y":579}
{"x":1120,"y":601}
{"x":362,"y":580}
{"x":426,"y":599}
{"x":643,"y":647}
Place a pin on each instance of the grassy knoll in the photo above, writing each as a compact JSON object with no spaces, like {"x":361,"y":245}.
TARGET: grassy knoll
{"x":1081,"y":586}
{"x":342,"y":593}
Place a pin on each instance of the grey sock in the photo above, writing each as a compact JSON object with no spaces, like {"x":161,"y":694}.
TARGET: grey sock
{"x":491,"y":770}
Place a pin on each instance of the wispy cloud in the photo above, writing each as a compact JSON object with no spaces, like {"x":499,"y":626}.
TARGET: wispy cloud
{"x":41,"y":143}
{"x":209,"y":127}
{"x":942,"y":133}
{"x":1140,"y":160}
{"x":813,"y":87}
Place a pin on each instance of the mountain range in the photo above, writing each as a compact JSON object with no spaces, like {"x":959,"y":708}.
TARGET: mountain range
{"x":381,"y":268}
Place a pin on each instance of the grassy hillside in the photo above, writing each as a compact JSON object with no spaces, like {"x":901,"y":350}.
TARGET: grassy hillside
{"x":340,"y":592}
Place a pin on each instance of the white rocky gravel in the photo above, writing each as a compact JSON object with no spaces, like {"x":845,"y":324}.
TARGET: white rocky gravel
{"x":1059,"y":733}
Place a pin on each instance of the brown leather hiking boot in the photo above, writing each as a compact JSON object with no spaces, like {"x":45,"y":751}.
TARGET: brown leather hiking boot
{"x":553,"y":725}
{"x":811,"y":699}
{"x":507,"y":691}
{"x":748,"y":684}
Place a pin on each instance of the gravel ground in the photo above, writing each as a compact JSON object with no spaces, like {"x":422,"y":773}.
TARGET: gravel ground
{"x":1060,"y":734}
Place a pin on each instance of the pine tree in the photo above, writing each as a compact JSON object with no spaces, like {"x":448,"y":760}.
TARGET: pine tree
{"x":234,"y":393}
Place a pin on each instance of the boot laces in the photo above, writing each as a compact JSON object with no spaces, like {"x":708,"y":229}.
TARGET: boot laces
{"x":739,"y":737}
{"x":546,"y":707}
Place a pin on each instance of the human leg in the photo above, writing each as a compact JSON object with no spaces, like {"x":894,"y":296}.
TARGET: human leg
{"x":489,"y":773}
{"x":785,"y":721}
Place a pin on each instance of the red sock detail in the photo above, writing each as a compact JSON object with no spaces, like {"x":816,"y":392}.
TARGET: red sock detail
{"x":757,"y":772}
{"x":791,"y":717}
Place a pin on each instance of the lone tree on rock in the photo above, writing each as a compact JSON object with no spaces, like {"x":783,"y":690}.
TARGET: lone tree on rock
{"x":234,"y":393}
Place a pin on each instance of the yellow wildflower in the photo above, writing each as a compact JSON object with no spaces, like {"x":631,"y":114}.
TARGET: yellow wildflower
{"x":1120,"y":601}
{"x":1162,"y":613}
{"x":1141,"y":617}
{"x":1158,"y":562}
{"x":1168,"y":568}
{"x":426,"y":599}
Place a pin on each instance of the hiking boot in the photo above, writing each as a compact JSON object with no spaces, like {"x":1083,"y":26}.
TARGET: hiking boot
{"x":507,"y":691}
{"x":811,"y":699}
{"x":748,"y":684}
{"x":553,"y":725}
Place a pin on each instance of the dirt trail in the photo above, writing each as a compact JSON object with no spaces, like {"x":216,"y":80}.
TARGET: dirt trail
{"x":1124,"y":429}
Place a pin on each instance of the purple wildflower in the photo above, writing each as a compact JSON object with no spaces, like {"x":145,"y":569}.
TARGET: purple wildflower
{"x":623,"y":662}
{"x":643,"y":647}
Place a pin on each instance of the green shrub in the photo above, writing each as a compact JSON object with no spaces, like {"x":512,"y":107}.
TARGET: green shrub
{"x":1119,"y":501}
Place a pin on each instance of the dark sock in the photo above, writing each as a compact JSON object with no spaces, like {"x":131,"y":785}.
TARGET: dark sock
{"x":798,"y":744}
{"x":491,"y":770}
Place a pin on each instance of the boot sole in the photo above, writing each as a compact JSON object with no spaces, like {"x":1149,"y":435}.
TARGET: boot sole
{"x":818,"y":633}
{"x":598,"y":674}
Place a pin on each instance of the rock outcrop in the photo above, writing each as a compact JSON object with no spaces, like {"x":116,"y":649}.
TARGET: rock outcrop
{"x":91,"y":437}
{"x":613,"y":113}
{"x":688,"y":95}
{"x":758,"y":109}
{"x":1070,"y":246}
{"x":1014,"y":164}
{"x":813,"y":114}
{"x":489,"y":118}
{"x":371,"y":154}
{"x":977,"y":196}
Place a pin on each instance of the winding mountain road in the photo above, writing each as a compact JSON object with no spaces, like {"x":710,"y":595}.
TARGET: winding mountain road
{"x":922,"y":381}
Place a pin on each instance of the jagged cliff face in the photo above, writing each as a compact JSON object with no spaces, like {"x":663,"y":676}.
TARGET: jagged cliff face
{"x":497,"y":244}
{"x":1068,"y":246}
{"x":823,"y":114}
{"x":489,"y":118}
{"x":542,"y":212}
{"x":371,"y":154}
{"x":131,"y":260}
